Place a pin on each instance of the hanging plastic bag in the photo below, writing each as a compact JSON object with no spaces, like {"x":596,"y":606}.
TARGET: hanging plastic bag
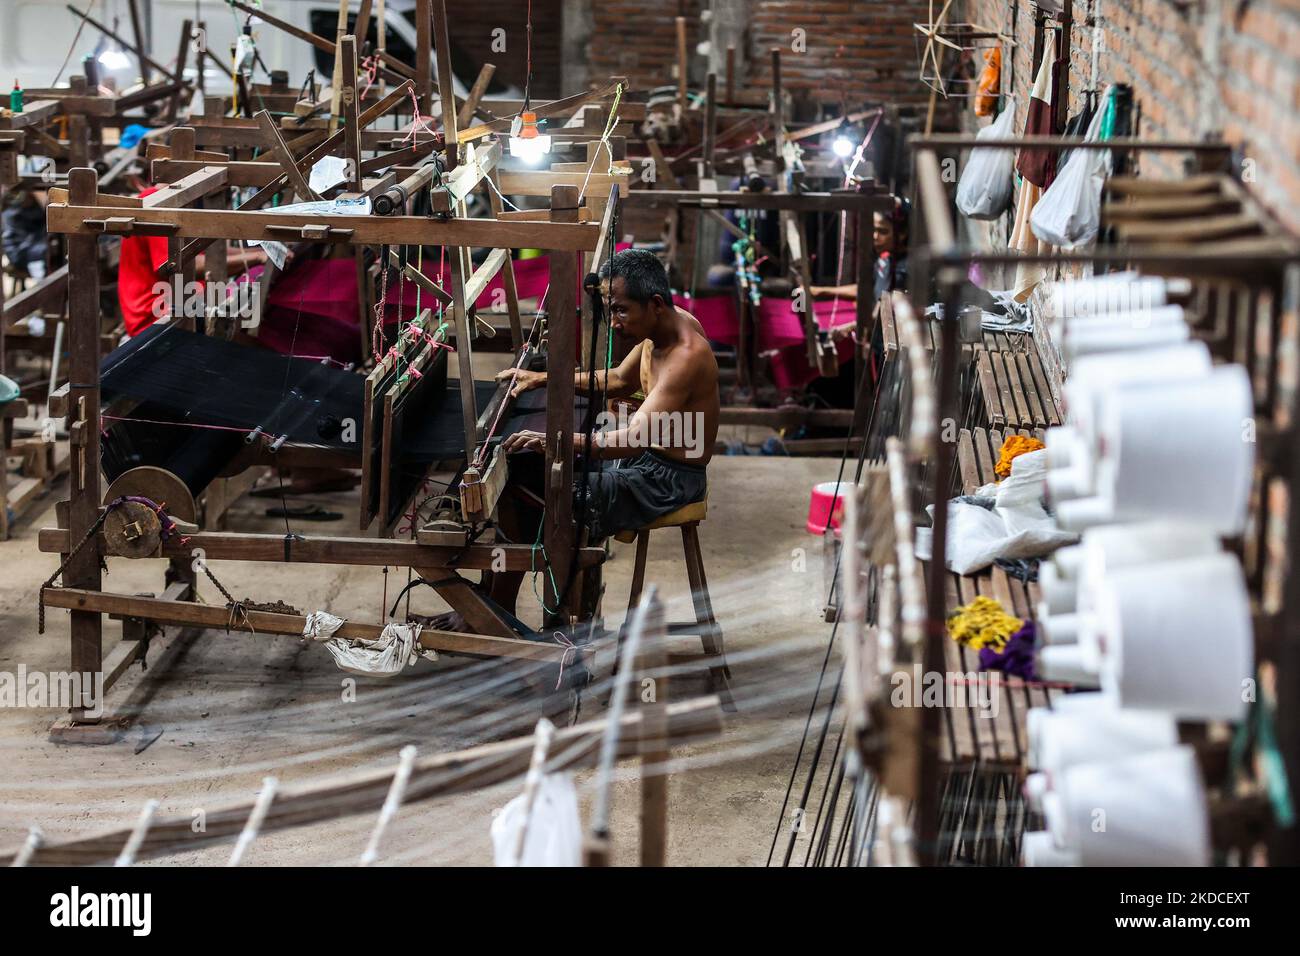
{"x":986,"y":187}
{"x":990,"y":81}
{"x":1069,"y":214}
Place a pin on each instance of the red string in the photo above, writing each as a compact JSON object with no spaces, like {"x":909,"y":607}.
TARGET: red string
{"x":150,"y":421}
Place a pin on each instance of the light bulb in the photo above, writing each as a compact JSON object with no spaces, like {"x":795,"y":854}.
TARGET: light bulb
{"x":114,"y":60}
{"x":530,"y":148}
{"x":842,"y":147}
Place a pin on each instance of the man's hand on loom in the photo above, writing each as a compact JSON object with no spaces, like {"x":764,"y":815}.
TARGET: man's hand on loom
{"x":524,"y":441}
{"x":524,"y":380}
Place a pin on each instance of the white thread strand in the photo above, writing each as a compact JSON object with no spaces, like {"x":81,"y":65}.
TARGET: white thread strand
{"x":255,"y":820}
{"x":396,"y":791}
{"x":134,"y":842}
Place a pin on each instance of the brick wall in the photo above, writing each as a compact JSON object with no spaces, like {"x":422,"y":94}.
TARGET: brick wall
{"x":853,"y":50}
{"x":1197,"y":69}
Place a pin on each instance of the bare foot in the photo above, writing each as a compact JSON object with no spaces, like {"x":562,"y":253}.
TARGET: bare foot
{"x":448,"y":621}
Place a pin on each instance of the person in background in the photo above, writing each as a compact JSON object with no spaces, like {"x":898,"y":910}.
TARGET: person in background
{"x":137,"y":276}
{"x":889,"y":235}
{"x":24,"y":238}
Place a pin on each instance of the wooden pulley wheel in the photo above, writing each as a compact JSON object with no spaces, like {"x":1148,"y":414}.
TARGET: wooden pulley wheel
{"x":133,"y":530}
{"x":158,"y":485}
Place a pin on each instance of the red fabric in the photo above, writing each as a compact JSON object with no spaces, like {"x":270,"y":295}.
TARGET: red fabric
{"x":137,"y":274}
{"x":532,"y":276}
{"x":782,"y":330}
{"x":313,"y":310}
{"x":717,"y":313}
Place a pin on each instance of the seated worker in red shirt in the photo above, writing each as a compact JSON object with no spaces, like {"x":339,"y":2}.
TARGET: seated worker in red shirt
{"x":138,"y":289}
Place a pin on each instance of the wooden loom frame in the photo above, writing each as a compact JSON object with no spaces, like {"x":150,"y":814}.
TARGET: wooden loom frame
{"x":84,"y":214}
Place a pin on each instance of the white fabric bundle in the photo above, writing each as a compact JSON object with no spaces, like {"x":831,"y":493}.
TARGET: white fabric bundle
{"x":397,"y":647}
{"x":554,"y":836}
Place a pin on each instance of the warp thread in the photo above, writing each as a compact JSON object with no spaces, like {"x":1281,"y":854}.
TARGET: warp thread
{"x":1016,"y":657}
{"x":1013,"y":448}
{"x":982,"y":623}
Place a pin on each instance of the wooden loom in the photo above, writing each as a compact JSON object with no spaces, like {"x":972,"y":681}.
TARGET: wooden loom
{"x":180,"y":214}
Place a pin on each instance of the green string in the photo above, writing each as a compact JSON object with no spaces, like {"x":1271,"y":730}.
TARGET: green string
{"x":1259,"y":723}
{"x":533,"y":569}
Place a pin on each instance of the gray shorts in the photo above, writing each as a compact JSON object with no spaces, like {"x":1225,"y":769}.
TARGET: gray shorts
{"x":629,"y":493}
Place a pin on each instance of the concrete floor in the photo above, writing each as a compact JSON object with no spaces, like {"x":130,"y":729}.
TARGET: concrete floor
{"x":229,"y":709}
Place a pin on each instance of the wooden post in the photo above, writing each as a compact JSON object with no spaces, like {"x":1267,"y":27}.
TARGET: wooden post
{"x":446,"y":82}
{"x":362,"y":27}
{"x":710,"y":123}
{"x":336,"y":83}
{"x":654,"y":742}
{"x":1284,"y":848}
{"x":87,"y":652}
{"x":562,"y":351}
{"x":423,"y":65}
{"x":507,"y":270}
{"x":182,"y":56}
{"x":381,"y":39}
{"x":864,"y":255}
{"x":681,"y":63}
{"x":731,"y":74}
{"x":140,"y":44}
{"x":778,"y":117}
{"x":349,"y":96}
{"x":464,"y":349}
{"x":936,"y":637}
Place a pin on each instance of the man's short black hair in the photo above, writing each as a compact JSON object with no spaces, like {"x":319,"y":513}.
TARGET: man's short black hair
{"x":643,"y":275}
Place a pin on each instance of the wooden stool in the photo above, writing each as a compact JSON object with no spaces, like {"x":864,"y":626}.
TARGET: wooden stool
{"x":687,"y":518}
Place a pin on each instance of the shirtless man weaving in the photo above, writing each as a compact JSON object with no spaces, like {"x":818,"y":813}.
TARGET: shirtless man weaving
{"x":656,"y":462}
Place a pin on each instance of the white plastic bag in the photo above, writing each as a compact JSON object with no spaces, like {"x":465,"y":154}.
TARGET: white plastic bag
{"x":1017,"y":527}
{"x":554,"y":835}
{"x":987,"y":185}
{"x":1069,"y":213}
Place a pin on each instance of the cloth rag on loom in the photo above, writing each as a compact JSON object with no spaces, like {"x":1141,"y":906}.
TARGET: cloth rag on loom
{"x":780,"y":335}
{"x":396,"y":648}
{"x":982,"y":624}
{"x":1037,"y":166}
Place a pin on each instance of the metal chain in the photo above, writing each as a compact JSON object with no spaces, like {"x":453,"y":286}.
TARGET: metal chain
{"x":49,"y":582}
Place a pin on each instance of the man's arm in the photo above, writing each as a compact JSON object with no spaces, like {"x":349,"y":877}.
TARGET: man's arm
{"x":619,"y":383}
